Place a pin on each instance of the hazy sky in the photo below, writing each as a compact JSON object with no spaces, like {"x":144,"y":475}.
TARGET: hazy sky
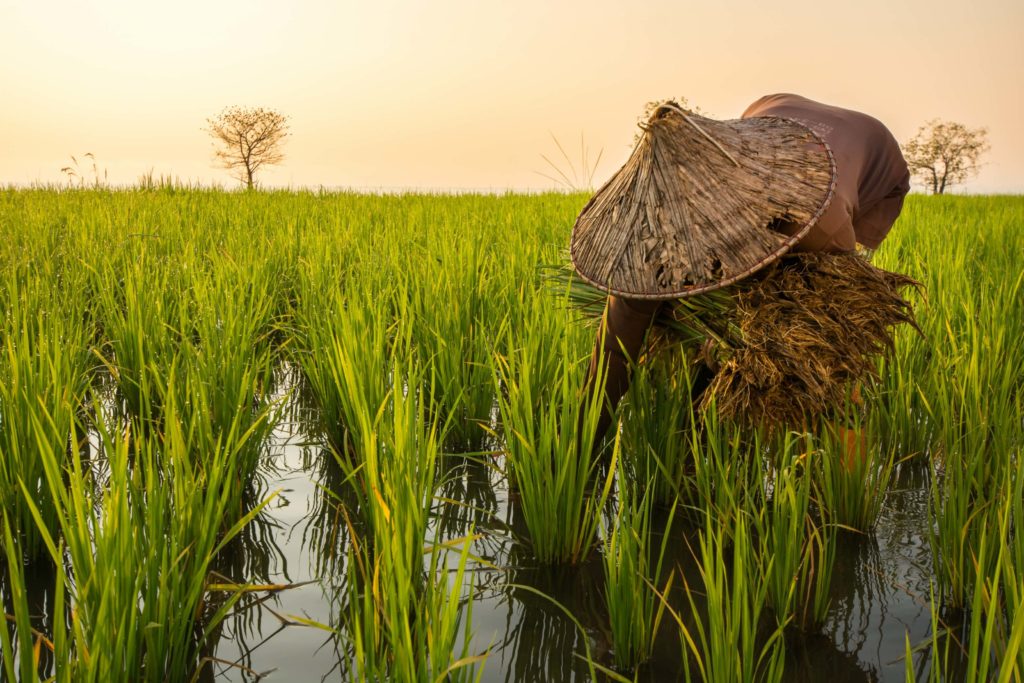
{"x":463,"y":94}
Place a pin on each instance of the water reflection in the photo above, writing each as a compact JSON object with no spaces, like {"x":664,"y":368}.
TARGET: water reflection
{"x":880,"y":589}
{"x":815,"y":658}
{"x":467,"y":495}
{"x":538,"y":641}
{"x":877,"y":590}
{"x":38,"y":580}
{"x":290,"y":545}
{"x":325,"y":527}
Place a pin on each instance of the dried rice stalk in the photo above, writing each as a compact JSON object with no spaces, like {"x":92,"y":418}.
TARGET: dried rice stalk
{"x":789,"y":343}
{"x":812,"y":326}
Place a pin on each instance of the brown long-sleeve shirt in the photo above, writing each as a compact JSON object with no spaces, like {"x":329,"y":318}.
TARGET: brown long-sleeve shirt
{"x":872,"y":180}
{"x":872,"y":176}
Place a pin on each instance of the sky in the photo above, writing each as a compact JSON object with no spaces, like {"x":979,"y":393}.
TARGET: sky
{"x":461,"y":94}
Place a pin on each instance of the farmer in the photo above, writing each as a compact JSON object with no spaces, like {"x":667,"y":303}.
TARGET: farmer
{"x":695,"y":207}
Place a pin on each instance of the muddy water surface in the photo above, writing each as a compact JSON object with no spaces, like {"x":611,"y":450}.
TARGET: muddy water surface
{"x":879,"y":593}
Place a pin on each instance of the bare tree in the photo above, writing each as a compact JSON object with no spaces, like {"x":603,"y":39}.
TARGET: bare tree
{"x":247,"y":139}
{"x":945,"y":153}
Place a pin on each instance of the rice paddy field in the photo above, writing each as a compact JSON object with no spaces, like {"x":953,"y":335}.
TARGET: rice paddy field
{"x":321,"y":436}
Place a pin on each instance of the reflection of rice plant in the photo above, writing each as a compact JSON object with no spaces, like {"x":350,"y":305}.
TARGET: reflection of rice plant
{"x":467,"y":493}
{"x":325,"y":532}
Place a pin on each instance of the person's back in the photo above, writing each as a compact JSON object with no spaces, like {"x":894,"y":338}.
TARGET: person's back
{"x":872,"y":176}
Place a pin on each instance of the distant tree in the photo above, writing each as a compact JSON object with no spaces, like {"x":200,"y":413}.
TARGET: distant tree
{"x":945,"y":153}
{"x":247,"y":139}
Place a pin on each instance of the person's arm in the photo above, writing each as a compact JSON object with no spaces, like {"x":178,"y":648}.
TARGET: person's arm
{"x":874,"y":224}
{"x":618,"y":343}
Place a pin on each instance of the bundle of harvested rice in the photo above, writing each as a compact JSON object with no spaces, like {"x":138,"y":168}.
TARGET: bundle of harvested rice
{"x":810,"y":328}
{"x":788,"y":343}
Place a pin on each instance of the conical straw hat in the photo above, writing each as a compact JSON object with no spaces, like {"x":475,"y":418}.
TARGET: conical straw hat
{"x":699,"y":204}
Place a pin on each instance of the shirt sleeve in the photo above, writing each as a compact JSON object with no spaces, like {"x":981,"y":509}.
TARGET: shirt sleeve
{"x":872,"y":225}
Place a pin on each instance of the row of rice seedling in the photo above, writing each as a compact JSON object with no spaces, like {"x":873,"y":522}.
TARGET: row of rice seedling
{"x":954,"y":394}
{"x":405,"y":617}
{"x":987,"y":642}
{"x":343,"y":347}
{"x":550,"y":422}
{"x":657,"y":419}
{"x":145,"y":321}
{"x":979,"y":433}
{"x":798,"y":551}
{"x":44,"y":372}
{"x":728,"y":644}
{"x":852,"y":469}
{"x":455,"y":329}
{"x":969,"y":385}
{"x":171,"y":334}
{"x":636,"y":580}
{"x":135,"y":541}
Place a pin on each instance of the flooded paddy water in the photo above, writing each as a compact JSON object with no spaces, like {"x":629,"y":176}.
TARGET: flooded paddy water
{"x":879,"y":593}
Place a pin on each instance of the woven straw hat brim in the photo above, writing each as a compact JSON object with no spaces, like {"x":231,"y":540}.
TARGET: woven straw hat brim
{"x":698,"y":204}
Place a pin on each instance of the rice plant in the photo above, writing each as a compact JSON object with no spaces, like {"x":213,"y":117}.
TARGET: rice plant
{"x":136,"y":596}
{"x":633,"y":576}
{"x":550,"y":421}
{"x":447,"y":304}
{"x":189,"y":298}
{"x":404,"y":619}
{"x":19,"y":652}
{"x":656,"y":424}
{"x":798,"y":551}
{"x":728,"y":470}
{"x":344,"y":350}
{"x":44,"y":373}
{"x":231,"y":356}
{"x":727,"y":645}
{"x":851,"y":476}
{"x":145,"y":321}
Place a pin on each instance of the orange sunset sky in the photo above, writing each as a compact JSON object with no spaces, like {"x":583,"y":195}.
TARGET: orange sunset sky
{"x":458,"y":94}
